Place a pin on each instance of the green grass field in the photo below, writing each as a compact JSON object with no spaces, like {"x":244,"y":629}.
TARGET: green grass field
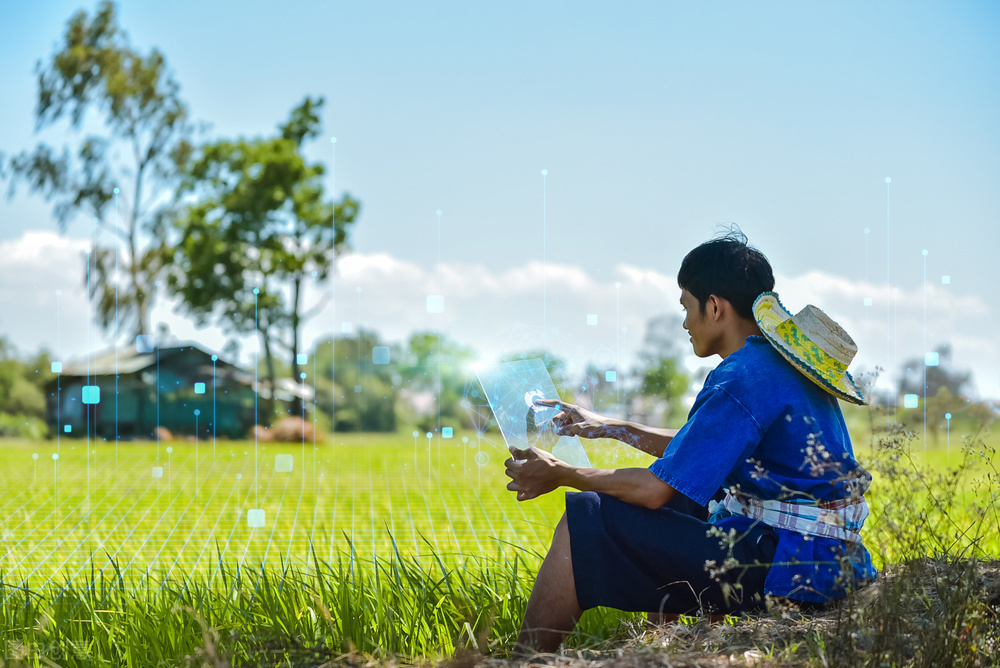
{"x":383,"y":542}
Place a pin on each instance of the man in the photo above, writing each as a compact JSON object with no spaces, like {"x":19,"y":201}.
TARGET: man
{"x":765,"y":435}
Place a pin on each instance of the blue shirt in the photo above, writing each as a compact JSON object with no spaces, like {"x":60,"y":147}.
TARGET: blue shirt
{"x":752,"y":427}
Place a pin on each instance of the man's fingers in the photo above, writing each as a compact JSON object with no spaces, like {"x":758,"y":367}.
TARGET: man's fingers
{"x":512,"y":486}
{"x":522,"y":454}
{"x":552,"y":403}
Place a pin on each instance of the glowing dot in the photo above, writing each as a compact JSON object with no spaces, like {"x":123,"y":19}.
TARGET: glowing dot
{"x":239,"y":476}
{"x":333,"y":140}
{"x":415,"y":434}
{"x":283,"y":463}
{"x":197,"y":412}
{"x":169,"y":449}
{"x":591,"y":318}
{"x":255,"y":518}
{"x":256,"y":291}
{"x":430,"y":435}
{"x":214,"y":358}
{"x":482,"y":458}
{"x":91,"y":394}
{"x":438,"y":212}
{"x":617,"y":284}
{"x":58,"y":292}
{"x":545,"y":172}
{"x":867,"y":230}
{"x":34,"y":455}
{"x":302,"y":375}
{"x":888,"y":180}
{"x":55,"y":456}
{"x":947,"y":416}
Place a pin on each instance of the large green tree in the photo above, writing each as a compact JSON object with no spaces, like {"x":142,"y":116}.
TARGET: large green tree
{"x":252,"y":228}
{"x":94,"y":68}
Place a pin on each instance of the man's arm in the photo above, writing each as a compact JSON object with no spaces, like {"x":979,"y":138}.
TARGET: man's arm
{"x":537,"y":472}
{"x":575,"y":420}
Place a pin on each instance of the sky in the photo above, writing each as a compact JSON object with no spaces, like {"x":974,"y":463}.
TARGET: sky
{"x":655,"y":122}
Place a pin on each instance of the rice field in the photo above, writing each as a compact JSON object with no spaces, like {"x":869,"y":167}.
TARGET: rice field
{"x":397,"y":545}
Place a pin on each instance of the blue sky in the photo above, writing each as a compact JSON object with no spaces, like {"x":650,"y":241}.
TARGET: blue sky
{"x":656,"y":122}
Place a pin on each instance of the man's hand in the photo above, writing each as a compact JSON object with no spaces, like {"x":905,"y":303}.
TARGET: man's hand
{"x":575,"y":420}
{"x":533,"y":472}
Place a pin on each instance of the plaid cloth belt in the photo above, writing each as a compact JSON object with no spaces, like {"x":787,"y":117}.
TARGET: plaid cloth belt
{"x":841,"y":519}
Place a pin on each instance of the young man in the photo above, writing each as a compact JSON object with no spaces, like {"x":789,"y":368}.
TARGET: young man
{"x":765,"y":436}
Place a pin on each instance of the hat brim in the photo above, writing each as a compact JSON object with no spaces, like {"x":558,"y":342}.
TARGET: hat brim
{"x":769,"y":313}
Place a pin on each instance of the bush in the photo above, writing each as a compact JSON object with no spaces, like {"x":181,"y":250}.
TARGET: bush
{"x":22,"y":426}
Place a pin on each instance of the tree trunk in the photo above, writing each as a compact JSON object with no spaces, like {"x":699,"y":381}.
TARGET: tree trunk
{"x":269,"y":357}
{"x":297,"y":401}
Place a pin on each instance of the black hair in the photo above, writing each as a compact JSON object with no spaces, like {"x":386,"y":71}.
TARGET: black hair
{"x":727,"y":267}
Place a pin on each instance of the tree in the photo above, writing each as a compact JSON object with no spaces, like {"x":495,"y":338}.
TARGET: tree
{"x":253,"y":228}
{"x":362,"y":395}
{"x":911,"y":380}
{"x":659,"y":369}
{"x":96,"y":68}
{"x":434,"y":364}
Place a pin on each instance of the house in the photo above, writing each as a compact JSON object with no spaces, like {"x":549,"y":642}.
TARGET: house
{"x":163,"y":386}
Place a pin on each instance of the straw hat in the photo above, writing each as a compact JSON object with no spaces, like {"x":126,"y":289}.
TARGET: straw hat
{"x":813,"y":342}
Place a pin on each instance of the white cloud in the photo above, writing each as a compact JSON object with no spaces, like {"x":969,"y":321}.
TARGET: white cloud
{"x":504,"y":311}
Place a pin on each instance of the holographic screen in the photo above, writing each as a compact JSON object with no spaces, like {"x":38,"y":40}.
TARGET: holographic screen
{"x":510,"y":389}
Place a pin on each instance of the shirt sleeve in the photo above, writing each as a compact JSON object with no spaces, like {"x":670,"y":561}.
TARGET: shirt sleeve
{"x":718,"y":436}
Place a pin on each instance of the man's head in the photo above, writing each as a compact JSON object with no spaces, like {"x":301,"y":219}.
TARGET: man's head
{"x":720,"y":279}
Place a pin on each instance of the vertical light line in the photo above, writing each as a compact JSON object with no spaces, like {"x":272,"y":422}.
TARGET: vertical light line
{"x":333,"y":305}
{"x":117,"y":333}
{"x":441,"y":291}
{"x":923,"y":366}
{"x":256,"y":356}
{"x":618,"y":287}
{"x":215,"y":414}
{"x":888,"y":311}
{"x":59,"y":426}
{"x":545,"y":326}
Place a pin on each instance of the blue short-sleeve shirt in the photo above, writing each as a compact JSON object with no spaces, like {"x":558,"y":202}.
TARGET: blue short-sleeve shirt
{"x":750,"y":428}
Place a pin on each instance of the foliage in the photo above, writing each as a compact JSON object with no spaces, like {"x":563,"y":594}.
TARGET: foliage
{"x":97,"y":69}
{"x":362,"y":395}
{"x":941,"y":376}
{"x":253,"y":227}
{"x":22,"y":397}
{"x":438,"y":368}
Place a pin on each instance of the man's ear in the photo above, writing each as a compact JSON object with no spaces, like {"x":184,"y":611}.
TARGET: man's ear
{"x":714,"y":307}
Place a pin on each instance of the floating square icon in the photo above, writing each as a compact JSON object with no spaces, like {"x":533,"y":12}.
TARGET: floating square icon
{"x":380,"y":355}
{"x":91,"y":394}
{"x":68,"y":428}
{"x":301,"y":358}
{"x":255,"y":518}
{"x":911,"y":401}
{"x":157,"y":471}
{"x":447,"y":432}
{"x":144,"y":343}
{"x":945,"y":280}
{"x":610,"y":376}
{"x":57,"y":367}
{"x":868,"y":301}
{"x":435,"y":303}
{"x":283,"y":463}
{"x":199,"y":388}
{"x":932,"y":359}
{"x":591,"y":318}
{"x":346,"y":327}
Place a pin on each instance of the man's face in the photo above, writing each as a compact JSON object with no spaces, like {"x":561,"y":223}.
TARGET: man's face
{"x":698,"y":325}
